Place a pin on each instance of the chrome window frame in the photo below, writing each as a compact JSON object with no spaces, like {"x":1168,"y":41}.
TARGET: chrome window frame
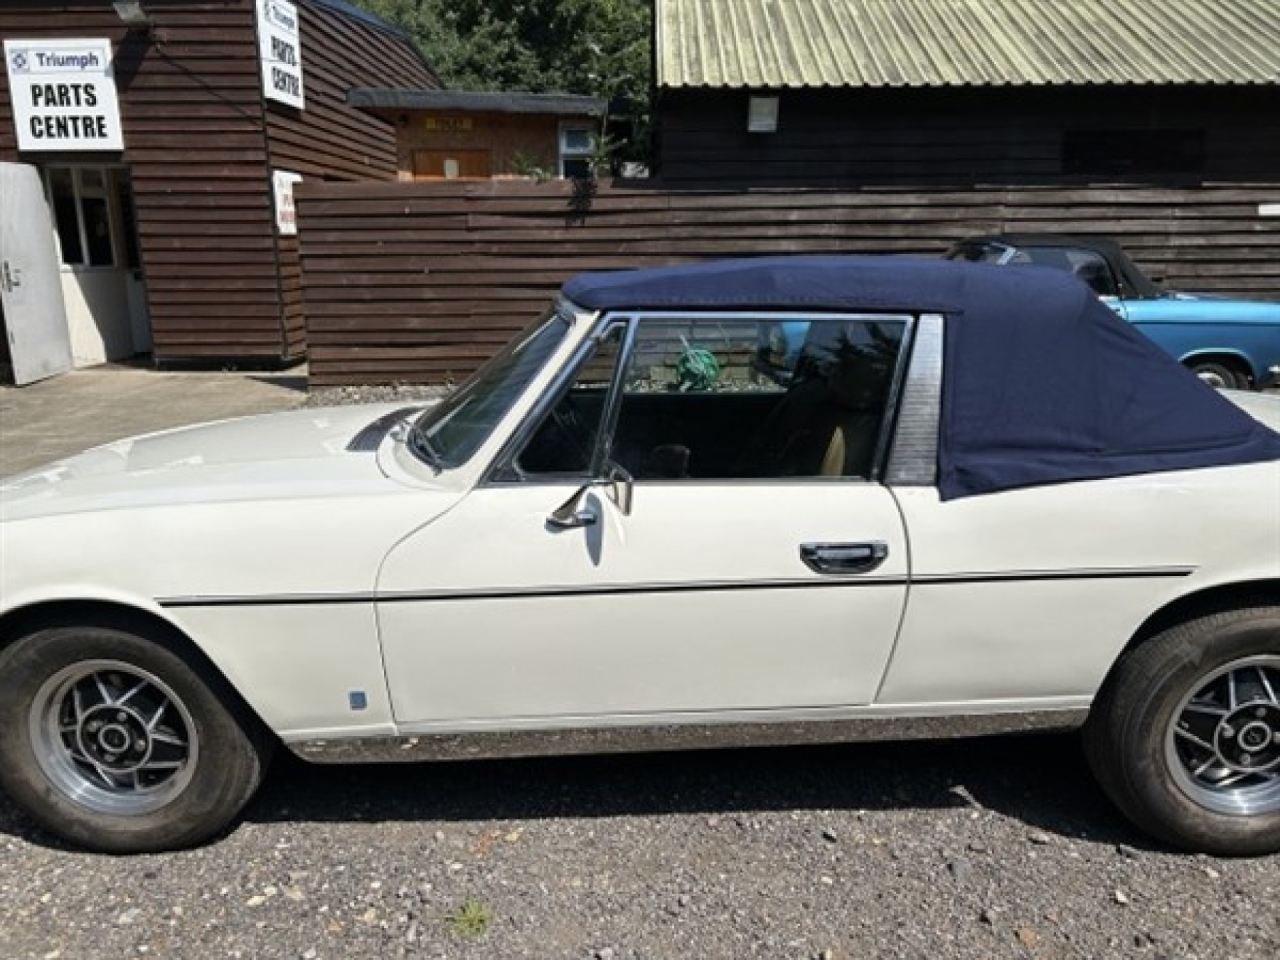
{"x":504,"y":472}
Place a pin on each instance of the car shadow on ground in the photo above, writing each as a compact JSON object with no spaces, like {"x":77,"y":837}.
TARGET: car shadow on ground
{"x":1041,"y":781}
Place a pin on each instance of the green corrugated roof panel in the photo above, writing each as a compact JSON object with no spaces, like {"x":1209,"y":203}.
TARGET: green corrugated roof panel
{"x":932,"y":43}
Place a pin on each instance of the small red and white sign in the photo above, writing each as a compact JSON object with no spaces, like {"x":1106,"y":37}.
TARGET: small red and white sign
{"x":282,"y":182}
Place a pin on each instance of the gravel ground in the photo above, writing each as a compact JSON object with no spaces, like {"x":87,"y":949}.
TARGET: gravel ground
{"x":995,"y":848}
{"x":340,"y":396}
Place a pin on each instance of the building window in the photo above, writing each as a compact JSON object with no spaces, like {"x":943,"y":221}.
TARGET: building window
{"x":84,"y":215}
{"x":577,"y":149}
{"x":1133,"y":151}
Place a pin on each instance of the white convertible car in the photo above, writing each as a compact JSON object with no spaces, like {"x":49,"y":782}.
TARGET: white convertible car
{"x":977,"y":502}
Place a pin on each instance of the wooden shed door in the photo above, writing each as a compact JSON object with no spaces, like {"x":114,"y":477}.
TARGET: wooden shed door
{"x":451,"y":165}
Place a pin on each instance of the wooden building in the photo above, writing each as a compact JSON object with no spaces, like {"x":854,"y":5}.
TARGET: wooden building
{"x":1156,"y":121}
{"x":465,"y":135}
{"x":165,"y":136}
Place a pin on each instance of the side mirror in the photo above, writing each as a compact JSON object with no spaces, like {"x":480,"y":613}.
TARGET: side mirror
{"x":616,"y":481}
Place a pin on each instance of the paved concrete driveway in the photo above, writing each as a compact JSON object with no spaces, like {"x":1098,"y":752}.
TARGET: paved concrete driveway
{"x":48,"y":420}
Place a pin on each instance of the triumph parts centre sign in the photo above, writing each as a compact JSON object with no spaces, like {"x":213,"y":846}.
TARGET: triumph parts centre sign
{"x":280,"y":50}
{"x":64,"y":95}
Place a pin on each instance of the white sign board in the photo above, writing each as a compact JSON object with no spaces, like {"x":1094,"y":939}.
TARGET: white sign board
{"x":1269,"y":209}
{"x":282,"y":182}
{"x":280,"y":50}
{"x":64,"y":94}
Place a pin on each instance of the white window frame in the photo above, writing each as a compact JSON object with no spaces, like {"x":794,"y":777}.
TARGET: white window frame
{"x":563,"y":151}
{"x":79,"y":192}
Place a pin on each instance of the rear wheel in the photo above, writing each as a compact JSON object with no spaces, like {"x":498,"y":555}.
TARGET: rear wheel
{"x":1185,"y":735}
{"x":114,"y":741}
{"x":1219,"y":374}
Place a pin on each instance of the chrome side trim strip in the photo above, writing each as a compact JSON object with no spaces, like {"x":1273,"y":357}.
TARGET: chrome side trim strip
{"x":702,"y":586}
{"x":1037,"y":576}
{"x":668,"y":737}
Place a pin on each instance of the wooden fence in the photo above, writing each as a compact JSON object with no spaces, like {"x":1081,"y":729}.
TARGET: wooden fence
{"x":420,"y":283}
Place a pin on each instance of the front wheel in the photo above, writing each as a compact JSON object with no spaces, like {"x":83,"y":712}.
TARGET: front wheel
{"x":1185,"y":735}
{"x":114,"y":741}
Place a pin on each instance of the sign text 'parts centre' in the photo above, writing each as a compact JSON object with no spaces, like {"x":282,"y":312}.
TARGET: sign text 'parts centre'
{"x":280,"y":50}
{"x":64,"y":94}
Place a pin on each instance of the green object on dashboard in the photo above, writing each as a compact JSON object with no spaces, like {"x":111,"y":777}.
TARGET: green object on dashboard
{"x":697,"y":369}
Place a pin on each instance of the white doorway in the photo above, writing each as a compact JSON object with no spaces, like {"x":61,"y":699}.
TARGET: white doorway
{"x":35,"y":321}
{"x":106,"y":302}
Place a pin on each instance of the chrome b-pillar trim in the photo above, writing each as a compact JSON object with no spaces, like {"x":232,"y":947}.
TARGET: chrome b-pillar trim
{"x":668,"y":737}
{"x":913,"y":461}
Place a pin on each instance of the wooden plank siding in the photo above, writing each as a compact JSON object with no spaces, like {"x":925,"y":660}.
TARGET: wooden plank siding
{"x":191,"y":111}
{"x":200,"y":146}
{"x":330,"y":140}
{"x":419,"y":283}
{"x":962,"y":137}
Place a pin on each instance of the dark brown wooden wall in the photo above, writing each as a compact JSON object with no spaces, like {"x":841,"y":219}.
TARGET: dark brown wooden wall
{"x":419,"y":283}
{"x":939,"y":137}
{"x":192,"y":117}
{"x":330,"y":140}
{"x":200,"y":146}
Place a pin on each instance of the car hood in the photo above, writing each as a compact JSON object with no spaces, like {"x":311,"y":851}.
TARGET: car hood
{"x":302,"y":453}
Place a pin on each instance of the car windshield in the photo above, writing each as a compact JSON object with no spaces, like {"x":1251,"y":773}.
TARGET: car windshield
{"x":980,"y":252}
{"x":448,"y":434}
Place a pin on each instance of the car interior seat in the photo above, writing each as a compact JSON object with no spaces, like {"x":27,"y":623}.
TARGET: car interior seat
{"x":827,"y":424}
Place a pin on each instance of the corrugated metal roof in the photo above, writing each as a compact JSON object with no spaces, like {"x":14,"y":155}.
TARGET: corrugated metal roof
{"x":929,"y":43}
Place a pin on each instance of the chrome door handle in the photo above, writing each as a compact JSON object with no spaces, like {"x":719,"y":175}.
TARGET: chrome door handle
{"x":844,"y":557}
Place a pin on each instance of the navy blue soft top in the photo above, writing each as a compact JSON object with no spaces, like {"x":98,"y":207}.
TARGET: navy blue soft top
{"x":1042,"y":382}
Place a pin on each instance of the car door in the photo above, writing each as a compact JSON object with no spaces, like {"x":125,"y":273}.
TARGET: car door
{"x":745,"y":569}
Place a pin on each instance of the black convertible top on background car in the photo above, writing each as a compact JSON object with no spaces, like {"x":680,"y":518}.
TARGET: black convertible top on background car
{"x":1043,"y":383}
{"x":1133,"y":283}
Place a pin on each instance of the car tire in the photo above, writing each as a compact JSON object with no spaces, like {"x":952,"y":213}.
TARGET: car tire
{"x":1219,"y":375}
{"x":117,"y":741}
{"x":1185,"y":734}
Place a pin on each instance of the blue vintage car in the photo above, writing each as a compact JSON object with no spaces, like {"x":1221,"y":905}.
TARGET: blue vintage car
{"x":1228,"y":342}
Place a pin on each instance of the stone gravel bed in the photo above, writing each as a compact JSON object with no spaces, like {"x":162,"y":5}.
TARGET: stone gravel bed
{"x":990,"y":848}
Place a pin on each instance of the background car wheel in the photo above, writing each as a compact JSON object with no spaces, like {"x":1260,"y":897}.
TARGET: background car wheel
{"x":114,"y":741}
{"x":1220,"y":375}
{"x":1185,"y":735}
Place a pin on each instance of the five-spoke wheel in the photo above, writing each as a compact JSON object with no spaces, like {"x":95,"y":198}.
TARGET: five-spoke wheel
{"x":114,"y":736}
{"x":1224,"y":743}
{"x":1185,"y":734}
{"x":123,"y":739}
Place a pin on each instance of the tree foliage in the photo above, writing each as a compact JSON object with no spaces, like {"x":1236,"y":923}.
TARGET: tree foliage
{"x":595,"y":47}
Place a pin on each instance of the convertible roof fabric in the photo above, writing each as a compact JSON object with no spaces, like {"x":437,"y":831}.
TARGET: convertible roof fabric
{"x":1042,"y":382}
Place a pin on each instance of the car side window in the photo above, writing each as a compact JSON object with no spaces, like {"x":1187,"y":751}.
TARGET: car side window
{"x":1088,"y":265}
{"x":1095,"y":271}
{"x":698,"y":402}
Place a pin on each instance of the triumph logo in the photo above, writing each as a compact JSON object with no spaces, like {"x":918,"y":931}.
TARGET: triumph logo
{"x":19,"y":62}
{"x":280,"y":16}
